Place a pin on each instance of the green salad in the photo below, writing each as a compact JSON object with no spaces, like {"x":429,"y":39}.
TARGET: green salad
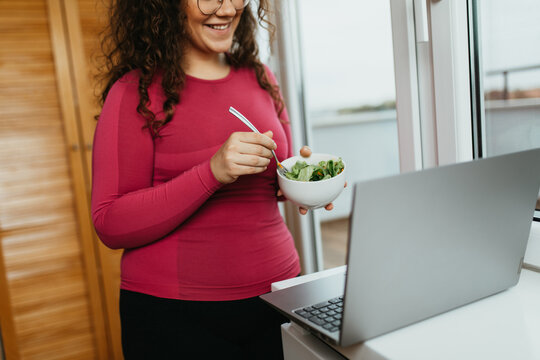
{"x":301,"y":171}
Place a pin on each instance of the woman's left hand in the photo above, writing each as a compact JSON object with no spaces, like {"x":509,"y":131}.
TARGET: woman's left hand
{"x":305,"y":151}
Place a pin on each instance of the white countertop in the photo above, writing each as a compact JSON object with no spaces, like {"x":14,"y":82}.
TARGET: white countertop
{"x":503,"y":326}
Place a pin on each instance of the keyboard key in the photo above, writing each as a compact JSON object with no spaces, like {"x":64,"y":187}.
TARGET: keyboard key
{"x":316,"y":320}
{"x":333,"y":307}
{"x":329,"y":319}
{"x":337,"y":322}
{"x":302,"y":313}
{"x":321,"y":305}
{"x":337,"y":316}
{"x":331,"y":313}
{"x":334,"y":329}
{"x":324,"y":309}
{"x":333,"y":301}
{"x":315,"y":312}
{"x":309,"y":308}
{"x":322,"y":316}
{"x":328,"y":326}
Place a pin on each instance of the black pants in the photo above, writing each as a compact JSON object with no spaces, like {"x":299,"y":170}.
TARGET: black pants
{"x":157,"y":328}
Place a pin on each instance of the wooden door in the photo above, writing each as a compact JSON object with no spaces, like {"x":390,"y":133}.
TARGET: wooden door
{"x":85,"y":22}
{"x":52,"y":303}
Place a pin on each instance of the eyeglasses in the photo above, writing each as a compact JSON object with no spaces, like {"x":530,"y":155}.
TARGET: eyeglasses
{"x":210,"y":7}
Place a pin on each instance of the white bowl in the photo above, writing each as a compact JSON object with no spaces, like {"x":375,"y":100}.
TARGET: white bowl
{"x":312,"y":194}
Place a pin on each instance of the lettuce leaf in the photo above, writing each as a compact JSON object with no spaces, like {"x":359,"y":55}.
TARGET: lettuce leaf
{"x":301,"y":171}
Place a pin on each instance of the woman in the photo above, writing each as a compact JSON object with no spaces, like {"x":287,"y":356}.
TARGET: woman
{"x":184,"y":187}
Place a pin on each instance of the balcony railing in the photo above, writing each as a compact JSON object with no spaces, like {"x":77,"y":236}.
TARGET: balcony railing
{"x":506,"y":72}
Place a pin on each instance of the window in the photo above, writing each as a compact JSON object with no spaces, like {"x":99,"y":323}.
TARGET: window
{"x":341,"y":66}
{"x":341,"y":49}
{"x":349,"y":99}
{"x":506,"y":85}
{"x":507,"y":75}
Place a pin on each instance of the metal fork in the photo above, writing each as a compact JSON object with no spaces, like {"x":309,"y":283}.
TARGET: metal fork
{"x":280,"y":168}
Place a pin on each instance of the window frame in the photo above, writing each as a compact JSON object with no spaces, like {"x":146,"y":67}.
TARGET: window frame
{"x":451,"y":80}
{"x":407,"y":87}
{"x":287,"y":60}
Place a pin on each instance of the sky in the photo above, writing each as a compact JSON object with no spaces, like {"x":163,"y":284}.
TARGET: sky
{"x":346,"y":52}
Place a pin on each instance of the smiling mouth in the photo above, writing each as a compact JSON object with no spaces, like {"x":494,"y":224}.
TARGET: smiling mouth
{"x":218,"y":27}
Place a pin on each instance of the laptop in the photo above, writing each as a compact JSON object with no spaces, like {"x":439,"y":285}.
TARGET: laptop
{"x":420,"y":244}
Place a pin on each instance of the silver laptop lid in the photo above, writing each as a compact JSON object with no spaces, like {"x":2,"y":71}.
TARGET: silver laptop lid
{"x":426,"y":242}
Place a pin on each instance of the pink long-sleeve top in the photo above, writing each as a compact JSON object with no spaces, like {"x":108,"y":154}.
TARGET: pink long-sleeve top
{"x":185,"y":235}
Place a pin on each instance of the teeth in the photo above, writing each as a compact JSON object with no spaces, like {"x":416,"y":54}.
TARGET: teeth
{"x":219,"y":27}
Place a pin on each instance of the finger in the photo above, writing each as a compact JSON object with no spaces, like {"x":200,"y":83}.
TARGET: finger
{"x":279,"y":193}
{"x":260,"y":139}
{"x":254,"y":149}
{"x":251,"y":160}
{"x":329,"y":207}
{"x":305,"y":151}
{"x":302,"y":210}
{"x":239,"y":170}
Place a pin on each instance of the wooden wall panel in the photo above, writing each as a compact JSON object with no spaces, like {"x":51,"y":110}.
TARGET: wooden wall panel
{"x":70,"y":103}
{"x":39,"y":226}
{"x":93,"y":19}
{"x":86,"y":20}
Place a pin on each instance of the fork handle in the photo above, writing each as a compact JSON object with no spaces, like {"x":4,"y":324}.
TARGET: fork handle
{"x":243,"y":119}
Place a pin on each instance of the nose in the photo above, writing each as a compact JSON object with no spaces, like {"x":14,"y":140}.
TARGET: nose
{"x":227,"y":9}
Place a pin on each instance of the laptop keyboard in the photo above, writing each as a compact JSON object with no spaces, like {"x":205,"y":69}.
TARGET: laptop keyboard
{"x":326,"y":314}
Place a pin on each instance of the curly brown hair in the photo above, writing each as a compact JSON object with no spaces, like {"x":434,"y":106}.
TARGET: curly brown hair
{"x":151,"y":35}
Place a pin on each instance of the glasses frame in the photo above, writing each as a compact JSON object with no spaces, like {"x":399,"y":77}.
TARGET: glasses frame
{"x":220,"y":5}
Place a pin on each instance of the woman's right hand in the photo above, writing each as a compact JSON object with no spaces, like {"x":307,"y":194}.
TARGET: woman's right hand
{"x":243,"y":153}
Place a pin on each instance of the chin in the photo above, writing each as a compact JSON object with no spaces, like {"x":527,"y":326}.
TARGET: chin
{"x":221,"y":49}
{"x":219,"y":46}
